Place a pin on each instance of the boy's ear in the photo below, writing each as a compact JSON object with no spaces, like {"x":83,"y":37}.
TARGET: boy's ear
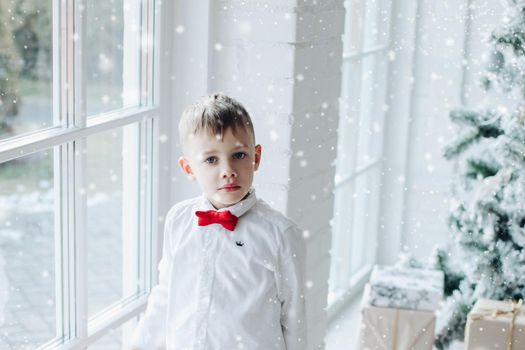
{"x":186,"y":168}
{"x":257,"y":160}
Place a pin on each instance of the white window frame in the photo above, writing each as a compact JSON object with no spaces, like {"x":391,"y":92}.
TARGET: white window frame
{"x":346,"y":281}
{"x":67,"y":138}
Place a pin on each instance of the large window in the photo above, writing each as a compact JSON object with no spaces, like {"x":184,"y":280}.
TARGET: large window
{"x":78,"y":129}
{"x":362,"y":108}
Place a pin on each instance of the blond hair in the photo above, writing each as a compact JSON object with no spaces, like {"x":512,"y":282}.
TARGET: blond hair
{"x":215,"y":114}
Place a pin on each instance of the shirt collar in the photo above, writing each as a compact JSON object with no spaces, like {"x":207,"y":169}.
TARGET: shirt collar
{"x":237,"y":209}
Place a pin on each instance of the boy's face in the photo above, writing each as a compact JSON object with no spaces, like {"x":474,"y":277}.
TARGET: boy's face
{"x":223,"y":167}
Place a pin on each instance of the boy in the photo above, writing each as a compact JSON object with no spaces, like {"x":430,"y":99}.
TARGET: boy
{"x":232,"y":270}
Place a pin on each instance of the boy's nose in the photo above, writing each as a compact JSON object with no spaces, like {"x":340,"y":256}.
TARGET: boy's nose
{"x":228,"y":172}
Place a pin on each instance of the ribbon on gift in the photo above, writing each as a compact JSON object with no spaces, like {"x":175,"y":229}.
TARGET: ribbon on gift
{"x":494,"y":313}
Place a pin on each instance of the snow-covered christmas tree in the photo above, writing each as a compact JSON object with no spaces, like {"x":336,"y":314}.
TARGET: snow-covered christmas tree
{"x":486,"y":257}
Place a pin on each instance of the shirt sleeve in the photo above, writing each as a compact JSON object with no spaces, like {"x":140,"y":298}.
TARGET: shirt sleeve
{"x":151,"y":331}
{"x":291,"y":289}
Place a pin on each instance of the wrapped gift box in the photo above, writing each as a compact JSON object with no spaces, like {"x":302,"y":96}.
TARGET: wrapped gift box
{"x":406,"y":288}
{"x":387,"y":328}
{"x":493,"y":324}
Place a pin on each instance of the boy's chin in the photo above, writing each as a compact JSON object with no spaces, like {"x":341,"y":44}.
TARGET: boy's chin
{"x":222,"y":200}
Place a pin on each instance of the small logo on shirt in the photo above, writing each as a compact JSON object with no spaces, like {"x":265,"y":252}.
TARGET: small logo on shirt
{"x":239,"y":243}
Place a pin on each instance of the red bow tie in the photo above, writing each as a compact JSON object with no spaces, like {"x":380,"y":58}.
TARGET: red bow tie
{"x":225,"y":218}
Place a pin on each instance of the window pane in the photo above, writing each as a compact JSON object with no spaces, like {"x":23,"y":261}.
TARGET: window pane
{"x":112,"y":195}
{"x":372,"y":215}
{"x":371,"y":25}
{"x":116,"y":338}
{"x":341,"y":241}
{"x":377,"y":23}
{"x":113,"y":55}
{"x":353,"y":35}
{"x":349,"y":119}
{"x":372,"y":109}
{"x":27,"y":252}
{"x":367,"y":99}
{"x":25,"y":66}
{"x":364,"y":219}
{"x":359,"y":223}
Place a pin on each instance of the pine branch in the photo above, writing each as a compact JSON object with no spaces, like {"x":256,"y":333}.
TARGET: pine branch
{"x":486,"y":119}
{"x":455,"y":328}
{"x":461,"y":144}
{"x":464,"y":117}
{"x":471,"y":242}
{"x":514,"y":150}
{"x":484,"y":124}
{"x":513,"y":39}
{"x":476,"y":168}
{"x":452,"y":278}
{"x":490,"y":131}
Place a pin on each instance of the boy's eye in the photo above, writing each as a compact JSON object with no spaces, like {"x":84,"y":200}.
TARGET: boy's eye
{"x":239,"y":155}
{"x":211,"y":160}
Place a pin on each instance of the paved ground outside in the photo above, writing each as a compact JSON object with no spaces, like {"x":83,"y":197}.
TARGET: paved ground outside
{"x":27,"y":272}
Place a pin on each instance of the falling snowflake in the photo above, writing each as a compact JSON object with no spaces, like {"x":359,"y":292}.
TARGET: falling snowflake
{"x":180,"y":29}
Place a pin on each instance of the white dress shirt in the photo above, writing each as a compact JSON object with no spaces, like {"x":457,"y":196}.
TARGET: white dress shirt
{"x":222,"y":290}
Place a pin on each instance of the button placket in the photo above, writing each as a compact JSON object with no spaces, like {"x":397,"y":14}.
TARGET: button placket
{"x":205,"y":288}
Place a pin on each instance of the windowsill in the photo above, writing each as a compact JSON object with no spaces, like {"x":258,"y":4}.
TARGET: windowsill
{"x":342,"y":330}
{"x":345,"y":296}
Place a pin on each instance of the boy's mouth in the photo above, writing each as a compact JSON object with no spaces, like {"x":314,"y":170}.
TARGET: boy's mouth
{"x":230,"y":188}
